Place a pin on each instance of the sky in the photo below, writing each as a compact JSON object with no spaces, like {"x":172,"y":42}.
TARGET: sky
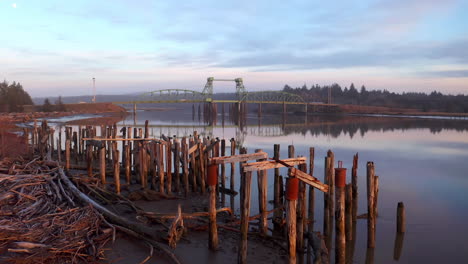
{"x":56,"y":47}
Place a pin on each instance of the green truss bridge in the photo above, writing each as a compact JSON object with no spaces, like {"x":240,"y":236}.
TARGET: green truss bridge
{"x":206,"y":96}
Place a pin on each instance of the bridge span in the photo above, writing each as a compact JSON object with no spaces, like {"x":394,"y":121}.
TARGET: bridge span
{"x":242,"y":96}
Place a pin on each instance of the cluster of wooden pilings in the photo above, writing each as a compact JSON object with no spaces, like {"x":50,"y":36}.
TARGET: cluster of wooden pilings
{"x":198,"y":164}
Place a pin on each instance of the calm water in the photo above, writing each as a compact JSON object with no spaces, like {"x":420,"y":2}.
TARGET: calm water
{"x":422,"y":162}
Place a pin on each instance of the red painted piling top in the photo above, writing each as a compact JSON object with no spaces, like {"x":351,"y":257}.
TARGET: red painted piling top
{"x":340,"y":177}
{"x":212,"y":175}
{"x":292,"y":189}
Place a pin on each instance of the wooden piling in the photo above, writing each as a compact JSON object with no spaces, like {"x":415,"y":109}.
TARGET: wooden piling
{"x":117,"y":171}
{"x":326,"y":204}
{"x":161,"y":167}
{"x":311,"y":203}
{"x":212,"y":182}
{"x":370,"y":205}
{"x":177,"y":164}
{"x":340,"y":235}
{"x":331,"y":197}
{"x":201,"y":158}
{"x":355,"y":187}
{"x":292,"y":189}
{"x":185,"y":166}
{"x":301,"y":223}
{"x":169,"y":166}
{"x":223,"y":169}
{"x":278,"y":214}
{"x":193,"y":165}
{"x":67,"y":154}
{"x":262,"y":184}
{"x":89,"y":160}
{"x":102,"y":164}
{"x":246,"y":179}
{"x":127,"y":164}
{"x":401,"y":218}
{"x":376,"y":195}
{"x":348,"y":212}
{"x":233,"y":171}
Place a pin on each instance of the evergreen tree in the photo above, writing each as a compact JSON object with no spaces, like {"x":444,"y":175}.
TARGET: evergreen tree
{"x":47,"y":107}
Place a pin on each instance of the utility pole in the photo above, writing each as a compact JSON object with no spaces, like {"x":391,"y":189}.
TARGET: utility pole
{"x":94,"y":90}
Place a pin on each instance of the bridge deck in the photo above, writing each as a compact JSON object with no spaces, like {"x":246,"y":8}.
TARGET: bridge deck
{"x":220,"y":101}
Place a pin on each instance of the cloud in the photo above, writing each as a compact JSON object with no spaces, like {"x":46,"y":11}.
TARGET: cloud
{"x":446,"y":74}
{"x":384,"y":56}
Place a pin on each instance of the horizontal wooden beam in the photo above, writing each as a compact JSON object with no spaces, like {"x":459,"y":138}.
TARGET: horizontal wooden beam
{"x":272,"y":164}
{"x":239,"y":158}
{"x":124,"y":139}
{"x":310,"y":180}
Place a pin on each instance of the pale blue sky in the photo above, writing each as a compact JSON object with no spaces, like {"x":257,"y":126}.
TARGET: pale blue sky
{"x":56,"y":47}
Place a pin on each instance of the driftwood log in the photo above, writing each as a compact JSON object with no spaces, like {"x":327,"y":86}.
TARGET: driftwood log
{"x":136,"y":228}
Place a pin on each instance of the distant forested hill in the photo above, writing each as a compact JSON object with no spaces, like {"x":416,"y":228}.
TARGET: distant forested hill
{"x":434,"y":101}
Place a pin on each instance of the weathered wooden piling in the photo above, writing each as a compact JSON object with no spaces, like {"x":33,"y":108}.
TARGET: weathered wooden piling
{"x":102,"y":164}
{"x":201,"y":159}
{"x":177,"y":164}
{"x":262,"y":197}
{"x":292,"y":192}
{"x":326,"y":203}
{"x":370,"y":205}
{"x":89,"y":160}
{"x":340,"y":235}
{"x":233,"y":171}
{"x":223,"y":168}
{"x":376,"y":195}
{"x":127,"y":164}
{"x":67,"y":154}
{"x":117,"y":171}
{"x":212,"y":182}
{"x":278,"y":214}
{"x":169,"y":166}
{"x":246,"y":179}
{"x":301,"y":223}
{"x":401,"y":218}
{"x":311,"y":203}
{"x":355,"y":186}
{"x":185,"y":166}
{"x":161,"y":168}
{"x":349,"y":212}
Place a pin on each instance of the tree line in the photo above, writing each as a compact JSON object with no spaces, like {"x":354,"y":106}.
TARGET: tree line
{"x":434,"y":101}
{"x":13,"y":97}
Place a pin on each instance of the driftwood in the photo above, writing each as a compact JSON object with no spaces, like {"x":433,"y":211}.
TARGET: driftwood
{"x":158,"y":216}
{"x":114,"y":218}
{"x":177,"y":229}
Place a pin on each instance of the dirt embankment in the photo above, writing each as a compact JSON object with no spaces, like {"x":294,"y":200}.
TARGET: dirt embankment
{"x":83,"y":108}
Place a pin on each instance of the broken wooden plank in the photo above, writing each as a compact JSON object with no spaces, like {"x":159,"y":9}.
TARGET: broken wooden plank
{"x":239,"y":158}
{"x":272,"y":164}
{"x":192,"y":149}
{"x":312,"y":181}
